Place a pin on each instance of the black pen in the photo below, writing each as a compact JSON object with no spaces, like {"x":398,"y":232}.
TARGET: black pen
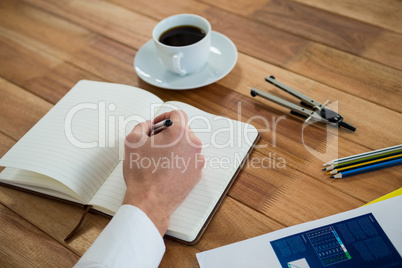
{"x":158,"y":127}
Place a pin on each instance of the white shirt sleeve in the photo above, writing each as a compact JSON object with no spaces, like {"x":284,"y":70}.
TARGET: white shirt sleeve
{"x":129,"y":240}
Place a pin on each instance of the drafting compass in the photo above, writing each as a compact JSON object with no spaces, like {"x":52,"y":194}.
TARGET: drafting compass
{"x":310,"y":109}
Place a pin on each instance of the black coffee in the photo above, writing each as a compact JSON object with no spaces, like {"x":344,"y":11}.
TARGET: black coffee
{"x":182,"y":36}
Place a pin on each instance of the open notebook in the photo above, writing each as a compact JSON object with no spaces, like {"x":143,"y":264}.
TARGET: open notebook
{"x":75,"y":152}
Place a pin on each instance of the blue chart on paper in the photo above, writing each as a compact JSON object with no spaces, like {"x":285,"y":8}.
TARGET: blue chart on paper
{"x":356,"y":242}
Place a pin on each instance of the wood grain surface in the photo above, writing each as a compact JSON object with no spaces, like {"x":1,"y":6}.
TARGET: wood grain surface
{"x":346,"y":51}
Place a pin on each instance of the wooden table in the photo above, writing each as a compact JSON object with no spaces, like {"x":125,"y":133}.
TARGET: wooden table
{"x":346,"y":51}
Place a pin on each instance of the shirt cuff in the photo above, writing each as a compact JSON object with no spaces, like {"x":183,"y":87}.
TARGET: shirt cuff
{"x":130,"y":239}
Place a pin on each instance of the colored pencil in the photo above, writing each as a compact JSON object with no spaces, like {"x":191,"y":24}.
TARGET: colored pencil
{"x":363,"y":159}
{"x":373,"y":167}
{"x":347,"y":158}
{"x":365,"y":164}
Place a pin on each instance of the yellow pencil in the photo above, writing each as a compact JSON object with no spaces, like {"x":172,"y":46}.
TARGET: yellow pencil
{"x":364,"y":163}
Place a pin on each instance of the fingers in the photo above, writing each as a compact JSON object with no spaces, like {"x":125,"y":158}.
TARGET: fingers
{"x":162,"y":117}
{"x":177,"y":116}
{"x":139,"y":134}
{"x":176,"y":132}
{"x":193,"y":140}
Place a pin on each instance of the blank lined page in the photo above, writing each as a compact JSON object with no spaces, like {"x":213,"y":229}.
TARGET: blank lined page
{"x":79,"y":142}
{"x":39,"y":183}
{"x":225,"y":144}
{"x":109,"y":197}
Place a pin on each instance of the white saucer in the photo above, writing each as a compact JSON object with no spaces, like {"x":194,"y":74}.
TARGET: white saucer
{"x":221,"y":61}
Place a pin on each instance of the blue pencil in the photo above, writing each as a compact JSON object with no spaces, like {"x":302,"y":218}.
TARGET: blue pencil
{"x":367,"y":168}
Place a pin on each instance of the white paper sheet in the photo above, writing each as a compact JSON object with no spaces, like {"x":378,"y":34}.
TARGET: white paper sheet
{"x":258,"y":252}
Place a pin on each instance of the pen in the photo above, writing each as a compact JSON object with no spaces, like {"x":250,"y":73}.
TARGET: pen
{"x":158,"y":127}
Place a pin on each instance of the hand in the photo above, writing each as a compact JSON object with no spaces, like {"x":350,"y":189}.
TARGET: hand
{"x":161,"y":170}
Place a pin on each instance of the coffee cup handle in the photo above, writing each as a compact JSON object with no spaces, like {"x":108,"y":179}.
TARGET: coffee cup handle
{"x":176,"y":64}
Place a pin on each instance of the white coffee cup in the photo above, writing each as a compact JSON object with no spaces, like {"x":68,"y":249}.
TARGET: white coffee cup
{"x":185,"y":59}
